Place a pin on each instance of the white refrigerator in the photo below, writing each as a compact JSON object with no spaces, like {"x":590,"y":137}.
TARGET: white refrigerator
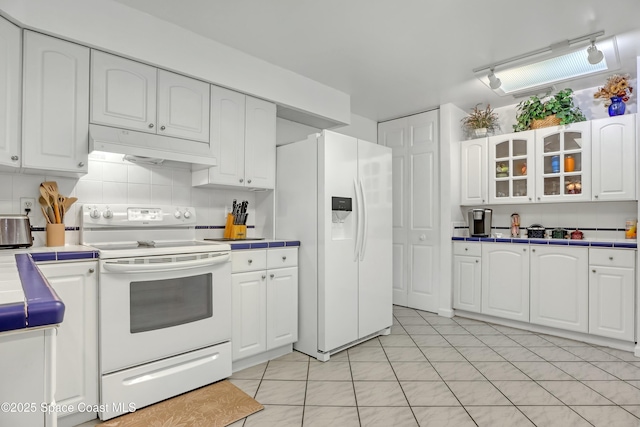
{"x":334,"y":194}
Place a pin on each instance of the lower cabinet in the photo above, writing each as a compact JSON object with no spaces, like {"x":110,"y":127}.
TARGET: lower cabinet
{"x":77,"y":340}
{"x":611,"y":293}
{"x":264,"y":299}
{"x":467,"y":276}
{"x":505,"y":280}
{"x":560,"y":287}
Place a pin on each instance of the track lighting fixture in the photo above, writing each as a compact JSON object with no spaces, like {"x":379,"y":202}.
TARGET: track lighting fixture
{"x":594,"y":54}
{"x":494,"y":82}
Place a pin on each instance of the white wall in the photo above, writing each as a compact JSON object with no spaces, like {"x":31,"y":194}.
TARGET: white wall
{"x":360,"y":127}
{"x":116,"y":28}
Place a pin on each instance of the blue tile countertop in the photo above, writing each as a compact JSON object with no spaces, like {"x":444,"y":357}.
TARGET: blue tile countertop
{"x":262,"y":244}
{"x":26,"y":298}
{"x":621,"y":244}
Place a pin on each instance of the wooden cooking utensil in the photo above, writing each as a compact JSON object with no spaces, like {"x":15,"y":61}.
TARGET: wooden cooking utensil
{"x":68,"y":201}
{"x":44,"y":212}
{"x":52,"y":188}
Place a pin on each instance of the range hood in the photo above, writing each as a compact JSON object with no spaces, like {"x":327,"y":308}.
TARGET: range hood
{"x":136,"y":143}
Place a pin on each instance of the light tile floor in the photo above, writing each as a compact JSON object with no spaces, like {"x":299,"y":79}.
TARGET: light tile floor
{"x":433,"y":371}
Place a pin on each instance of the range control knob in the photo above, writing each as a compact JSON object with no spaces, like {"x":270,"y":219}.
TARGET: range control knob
{"x":187,"y":215}
{"x":177,"y":214}
{"x":95,"y":214}
{"x":107,"y":214}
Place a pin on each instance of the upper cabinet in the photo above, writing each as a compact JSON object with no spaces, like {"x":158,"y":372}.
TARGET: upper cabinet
{"x":584,"y":161}
{"x":511,"y":168}
{"x":613,"y":148}
{"x":10,"y":37}
{"x":243,"y":139}
{"x":564,"y":163}
{"x":55,"y":125}
{"x":131,"y":95}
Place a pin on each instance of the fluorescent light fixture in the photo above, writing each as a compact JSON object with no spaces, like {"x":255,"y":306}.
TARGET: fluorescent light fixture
{"x":560,"y":62}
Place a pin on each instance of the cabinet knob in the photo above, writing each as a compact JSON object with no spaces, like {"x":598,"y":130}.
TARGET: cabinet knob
{"x":264,"y":276}
{"x":284,"y":258}
{"x":466,"y":249}
{"x":15,"y":158}
{"x":529,"y":198}
{"x":81,"y":164}
{"x":477,"y":261}
{"x":150,"y":125}
{"x":91,"y":270}
{"x":593,"y":271}
{"x":538,"y":198}
{"x":162,"y":128}
{"x":241,"y":179}
{"x":250,"y":261}
{"x":610,"y":258}
{"x":596,"y":196}
{"x":524,"y":249}
{"x":533,"y":250}
{"x":482,"y":200}
{"x":272,"y":275}
{"x":249,"y":181}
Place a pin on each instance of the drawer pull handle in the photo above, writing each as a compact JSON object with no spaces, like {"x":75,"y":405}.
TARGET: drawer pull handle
{"x":284,"y":258}
{"x":272,"y":275}
{"x":477,"y":261}
{"x":593,"y":271}
{"x":250,"y":261}
{"x":466,"y":249}
{"x":610,"y":258}
{"x":524,"y":249}
{"x":91,"y":270}
{"x":264,"y":276}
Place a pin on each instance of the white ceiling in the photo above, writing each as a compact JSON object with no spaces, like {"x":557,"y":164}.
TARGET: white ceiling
{"x":400,"y":57}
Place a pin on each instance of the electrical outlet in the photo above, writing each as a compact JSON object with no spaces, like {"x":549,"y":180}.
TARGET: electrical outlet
{"x":27,"y":204}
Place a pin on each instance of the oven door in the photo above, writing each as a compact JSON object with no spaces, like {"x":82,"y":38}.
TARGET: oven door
{"x":159,"y":306}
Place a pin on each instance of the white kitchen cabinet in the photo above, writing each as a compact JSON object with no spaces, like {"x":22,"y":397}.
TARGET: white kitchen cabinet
{"x":611,"y":293}
{"x":10,"y":54}
{"x":511,"y":168}
{"x":473,"y":172}
{"x":77,"y":340}
{"x":563,"y":163}
{"x":613,"y":147}
{"x":467,"y":276}
{"x":183,"y":107}
{"x":123,"y":92}
{"x":264,"y":300}
{"x":55,"y":128}
{"x":249,"y":312}
{"x":560,"y":287}
{"x":243,"y":139}
{"x":505,"y":280}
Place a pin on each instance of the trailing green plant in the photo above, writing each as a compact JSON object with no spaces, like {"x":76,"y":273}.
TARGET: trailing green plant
{"x":479,"y":119}
{"x":534,"y":108}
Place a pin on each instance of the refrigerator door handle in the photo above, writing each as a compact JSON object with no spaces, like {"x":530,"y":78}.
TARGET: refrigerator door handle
{"x":356,"y":249}
{"x":365,"y":223}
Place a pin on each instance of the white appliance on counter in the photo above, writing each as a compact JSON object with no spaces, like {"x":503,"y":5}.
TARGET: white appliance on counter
{"x":164,"y":303}
{"x":334,"y":194}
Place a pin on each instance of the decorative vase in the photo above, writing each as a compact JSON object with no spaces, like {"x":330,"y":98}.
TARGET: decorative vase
{"x":617,"y":106}
{"x":480,"y":132}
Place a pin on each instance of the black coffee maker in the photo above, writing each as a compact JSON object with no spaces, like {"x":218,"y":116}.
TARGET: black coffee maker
{"x":480,"y":222}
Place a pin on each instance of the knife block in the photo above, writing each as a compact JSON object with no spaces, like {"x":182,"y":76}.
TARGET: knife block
{"x":233,"y":231}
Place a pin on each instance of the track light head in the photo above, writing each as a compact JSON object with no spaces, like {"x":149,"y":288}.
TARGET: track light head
{"x":594,"y":54}
{"x":494,"y":82}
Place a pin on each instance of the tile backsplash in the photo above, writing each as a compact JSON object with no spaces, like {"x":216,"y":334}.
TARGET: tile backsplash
{"x":114,"y":180}
{"x":598,"y":220}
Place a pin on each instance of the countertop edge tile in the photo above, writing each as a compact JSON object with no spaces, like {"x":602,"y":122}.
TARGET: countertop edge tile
{"x":44,"y":307}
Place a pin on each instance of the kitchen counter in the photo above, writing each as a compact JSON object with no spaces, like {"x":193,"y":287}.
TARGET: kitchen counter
{"x":598,"y":243}
{"x":26,"y":299}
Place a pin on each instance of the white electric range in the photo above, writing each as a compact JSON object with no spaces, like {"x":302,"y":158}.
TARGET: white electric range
{"x":164,"y":304}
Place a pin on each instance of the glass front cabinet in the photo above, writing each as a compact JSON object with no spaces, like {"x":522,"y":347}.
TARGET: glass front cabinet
{"x":563,"y":159}
{"x":511,"y":168}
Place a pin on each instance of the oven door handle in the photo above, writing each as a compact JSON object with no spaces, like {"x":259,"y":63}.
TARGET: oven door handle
{"x":114,"y":267}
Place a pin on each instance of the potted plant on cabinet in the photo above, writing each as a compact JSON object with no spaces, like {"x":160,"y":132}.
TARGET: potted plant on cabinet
{"x":481,"y":121}
{"x":535,"y":113}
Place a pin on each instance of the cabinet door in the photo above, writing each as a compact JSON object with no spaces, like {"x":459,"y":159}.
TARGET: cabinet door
{"x":9,"y":94}
{"x":467,"y":275}
{"x":511,"y":168}
{"x":123,"y":93}
{"x":505,"y":280}
{"x":560,"y":287}
{"x":227,"y":136}
{"x":56,"y":104}
{"x":260,"y":144}
{"x":249,"y":304}
{"x":614,"y":152}
{"x":611,"y":302}
{"x":282,"y":307}
{"x":473,"y":171}
{"x":563,"y":163}
{"x":183,"y":107}
{"x":77,"y":340}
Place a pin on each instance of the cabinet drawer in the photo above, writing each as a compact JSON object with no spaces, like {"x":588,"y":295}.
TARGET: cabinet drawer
{"x":279,"y":258}
{"x":612,"y":257}
{"x":250,"y":260}
{"x":469,"y":249}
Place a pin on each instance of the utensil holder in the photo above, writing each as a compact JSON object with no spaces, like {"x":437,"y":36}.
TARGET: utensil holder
{"x":238,"y":232}
{"x":55,"y":234}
